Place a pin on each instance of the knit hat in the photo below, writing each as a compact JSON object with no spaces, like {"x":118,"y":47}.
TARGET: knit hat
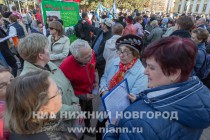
{"x":108,"y":22}
{"x":130,"y":40}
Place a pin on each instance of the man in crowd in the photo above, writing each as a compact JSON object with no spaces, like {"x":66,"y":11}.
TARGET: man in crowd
{"x":99,"y":44}
{"x":79,"y":68}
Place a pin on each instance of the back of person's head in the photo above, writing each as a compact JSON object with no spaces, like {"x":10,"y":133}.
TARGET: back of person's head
{"x":84,"y":15}
{"x":154,"y":23}
{"x":171,"y":22}
{"x":129,"y":19}
{"x":60,"y":20}
{"x":5,"y":8}
{"x":182,"y":55}
{"x":185,"y":23}
{"x":25,"y":95}
{"x":13,"y":18}
{"x":201,"y":34}
{"x":202,"y":20}
{"x":117,"y":29}
{"x":31,"y":46}
{"x":14,"y":8}
{"x":138,"y":18}
{"x":58,"y":27}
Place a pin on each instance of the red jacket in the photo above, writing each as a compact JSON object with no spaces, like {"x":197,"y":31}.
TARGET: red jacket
{"x":82,"y":78}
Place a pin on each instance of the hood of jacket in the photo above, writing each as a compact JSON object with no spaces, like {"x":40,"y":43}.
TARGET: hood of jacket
{"x":190,"y":99}
{"x":181,"y":33}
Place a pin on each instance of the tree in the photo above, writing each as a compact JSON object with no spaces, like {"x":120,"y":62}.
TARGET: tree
{"x":121,"y":4}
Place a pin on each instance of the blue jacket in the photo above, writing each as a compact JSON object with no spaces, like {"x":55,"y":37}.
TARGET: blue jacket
{"x":189,"y":99}
{"x":200,"y":57}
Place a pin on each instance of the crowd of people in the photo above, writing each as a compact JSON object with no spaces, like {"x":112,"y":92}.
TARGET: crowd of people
{"x":161,"y":57}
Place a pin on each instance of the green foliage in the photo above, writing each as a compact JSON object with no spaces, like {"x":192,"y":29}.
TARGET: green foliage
{"x":121,"y":4}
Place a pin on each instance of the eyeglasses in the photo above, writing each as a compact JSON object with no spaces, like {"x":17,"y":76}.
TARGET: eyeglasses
{"x":59,"y":92}
{"x":51,"y":28}
{"x":125,"y":53}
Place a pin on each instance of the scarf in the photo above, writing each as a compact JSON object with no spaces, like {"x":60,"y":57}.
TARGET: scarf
{"x":119,"y":76}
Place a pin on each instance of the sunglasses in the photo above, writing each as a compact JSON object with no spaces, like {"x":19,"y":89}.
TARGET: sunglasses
{"x":51,"y":28}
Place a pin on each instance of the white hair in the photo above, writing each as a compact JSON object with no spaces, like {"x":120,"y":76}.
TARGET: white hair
{"x":154,"y":23}
{"x":76,"y":45}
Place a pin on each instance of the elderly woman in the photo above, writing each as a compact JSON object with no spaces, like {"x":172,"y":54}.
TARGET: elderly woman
{"x":127,"y":66}
{"x":200,"y":36}
{"x":34,"y":50}
{"x":31,"y":101}
{"x":156,"y":32}
{"x":176,"y":106}
{"x":59,"y":44}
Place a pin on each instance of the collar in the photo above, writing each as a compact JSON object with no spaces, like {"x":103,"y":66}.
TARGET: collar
{"x":62,"y":39}
{"x":79,"y":63}
{"x":50,"y":66}
{"x":158,"y":97}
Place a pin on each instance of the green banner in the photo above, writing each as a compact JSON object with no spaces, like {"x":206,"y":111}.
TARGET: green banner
{"x":67,"y":11}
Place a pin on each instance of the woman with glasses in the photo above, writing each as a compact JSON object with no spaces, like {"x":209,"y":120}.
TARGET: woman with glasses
{"x":59,"y":44}
{"x":32,"y":102}
{"x":34,"y":50}
{"x":127,"y":66}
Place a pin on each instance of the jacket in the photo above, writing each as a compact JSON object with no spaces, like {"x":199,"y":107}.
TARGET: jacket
{"x":17,"y":29}
{"x":155,"y":34}
{"x":200,"y":57}
{"x":182,"y":33}
{"x":110,"y":49}
{"x":51,"y":131}
{"x":130,"y":29}
{"x":169,"y":31}
{"x":59,"y":50}
{"x":190,"y":101}
{"x":100,"y":61}
{"x":82,"y":77}
{"x":68,"y":97}
{"x":139,"y":29}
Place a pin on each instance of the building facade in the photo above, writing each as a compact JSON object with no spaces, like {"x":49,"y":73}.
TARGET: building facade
{"x":192,"y":6}
{"x":164,"y":6}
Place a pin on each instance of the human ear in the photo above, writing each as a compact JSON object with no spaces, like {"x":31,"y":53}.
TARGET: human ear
{"x":175,"y":77}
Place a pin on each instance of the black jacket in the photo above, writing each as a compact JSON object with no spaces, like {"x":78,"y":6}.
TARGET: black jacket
{"x":181,"y":33}
{"x":100,"y":61}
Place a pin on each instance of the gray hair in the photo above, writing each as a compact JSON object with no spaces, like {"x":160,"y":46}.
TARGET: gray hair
{"x":30,"y":47}
{"x":154,"y":23}
{"x":76,"y":45}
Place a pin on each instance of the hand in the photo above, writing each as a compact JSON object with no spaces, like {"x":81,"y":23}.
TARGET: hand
{"x":90,"y":96}
{"x":103,"y":93}
{"x":132,"y":97}
{"x":95,"y":85}
{"x":81,"y":120}
{"x":78,"y":107}
{"x":114,"y":122}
